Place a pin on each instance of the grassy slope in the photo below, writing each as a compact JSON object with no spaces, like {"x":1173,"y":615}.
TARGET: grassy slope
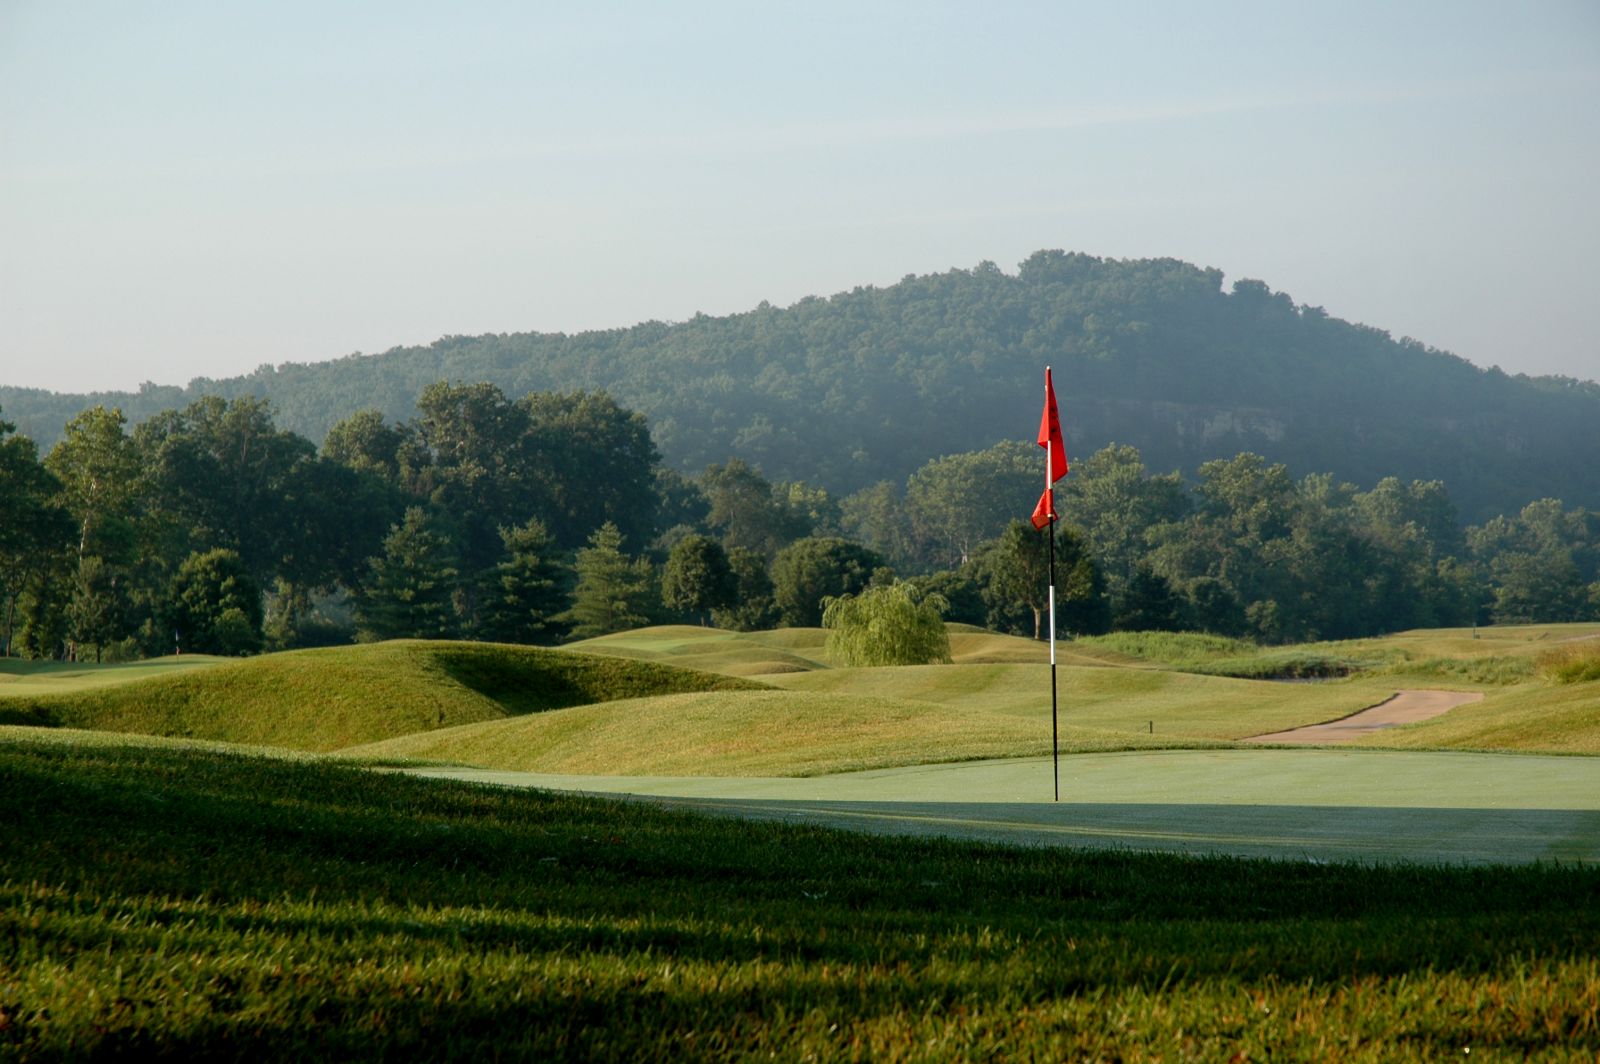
{"x":762,"y":733}
{"x":1541,"y":718}
{"x":789,"y":650}
{"x":1120,"y":700}
{"x":198,"y":906}
{"x":18,"y":677}
{"x":715,"y":650}
{"x":838,"y":720}
{"x":423,"y":701}
{"x":335,"y":697}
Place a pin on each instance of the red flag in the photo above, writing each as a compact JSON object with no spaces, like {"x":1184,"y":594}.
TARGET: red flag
{"x":1050,"y":436}
{"x":1045,"y":512}
{"x":1055,"y":449}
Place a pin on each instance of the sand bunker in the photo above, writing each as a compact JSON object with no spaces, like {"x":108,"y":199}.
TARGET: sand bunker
{"x":1406,"y":707}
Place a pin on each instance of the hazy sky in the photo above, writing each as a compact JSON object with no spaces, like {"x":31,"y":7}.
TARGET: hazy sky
{"x":196,"y":188}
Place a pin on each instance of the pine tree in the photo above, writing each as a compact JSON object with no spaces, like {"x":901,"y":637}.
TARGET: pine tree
{"x":521,"y":596}
{"x":614,"y":593}
{"x":411,"y":587}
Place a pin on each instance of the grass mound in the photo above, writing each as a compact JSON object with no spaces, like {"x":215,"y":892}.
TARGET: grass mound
{"x":190,"y":905}
{"x":717,"y":650}
{"x":334,"y":697}
{"x":725,"y":733}
{"x":792,"y":650}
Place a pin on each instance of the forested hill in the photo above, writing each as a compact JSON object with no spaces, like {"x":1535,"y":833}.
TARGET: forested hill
{"x":869,"y":384}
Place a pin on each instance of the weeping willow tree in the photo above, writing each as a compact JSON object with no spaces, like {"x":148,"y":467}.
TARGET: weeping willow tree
{"x":887,"y":626}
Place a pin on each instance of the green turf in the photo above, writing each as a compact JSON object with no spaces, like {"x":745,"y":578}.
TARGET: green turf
{"x":19,"y":677}
{"x":1535,"y":717}
{"x":1149,"y":701}
{"x":839,"y":720}
{"x":189,"y":905}
{"x":739,"y":733}
{"x":716,"y":650}
{"x":340,"y":696}
{"x":1294,"y":803}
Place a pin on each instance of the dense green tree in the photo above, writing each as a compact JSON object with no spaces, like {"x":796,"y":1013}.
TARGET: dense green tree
{"x":887,"y":625}
{"x":681,"y":502}
{"x":1147,"y":604}
{"x":218,"y":469}
{"x":332,"y":519}
{"x":876,"y":517}
{"x":1540,"y":562}
{"x":591,"y":461}
{"x":526,"y":591}
{"x":1211,"y":606}
{"x":1113,"y":499}
{"x":215,"y":605}
{"x":753,"y":609}
{"x":1016,"y":575}
{"x":614,"y":593}
{"x":956,"y":502}
{"x":698,"y":579}
{"x":365,"y":441}
{"x":961,"y":592}
{"x":42,"y":627}
{"x":818,"y":567}
{"x":410,"y":588}
{"x":97,"y":466}
{"x":745,"y":513}
{"x":34,"y":527}
{"x":466,"y":458}
{"x":97,"y":613}
{"x":809,"y":507}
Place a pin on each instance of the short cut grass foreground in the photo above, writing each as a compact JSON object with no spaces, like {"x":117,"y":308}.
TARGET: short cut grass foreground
{"x":171,"y":901}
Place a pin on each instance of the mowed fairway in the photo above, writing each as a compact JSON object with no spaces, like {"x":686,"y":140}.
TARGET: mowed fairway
{"x":311,"y":898}
{"x":1294,"y":804}
{"x":763,"y":726}
{"x":160,"y":900}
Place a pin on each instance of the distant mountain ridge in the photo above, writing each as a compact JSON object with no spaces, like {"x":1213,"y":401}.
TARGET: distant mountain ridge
{"x":869,"y":384}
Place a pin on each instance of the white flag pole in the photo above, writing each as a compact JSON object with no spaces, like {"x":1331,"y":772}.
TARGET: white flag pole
{"x":1055,"y":740}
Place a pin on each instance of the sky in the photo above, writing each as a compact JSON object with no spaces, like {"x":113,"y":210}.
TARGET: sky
{"x":195,"y":189}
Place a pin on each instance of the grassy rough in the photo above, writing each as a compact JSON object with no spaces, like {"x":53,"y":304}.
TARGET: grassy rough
{"x":187,"y":905}
{"x":1577,"y":662}
{"x":1531,"y":718}
{"x":334,"y":697}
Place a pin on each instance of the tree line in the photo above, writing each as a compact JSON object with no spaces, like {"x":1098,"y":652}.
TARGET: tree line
{"x":862,"y":386}
{"x":552,"y":517}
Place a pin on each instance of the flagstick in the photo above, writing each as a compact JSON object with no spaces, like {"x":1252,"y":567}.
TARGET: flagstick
{"x":1055,"y":745}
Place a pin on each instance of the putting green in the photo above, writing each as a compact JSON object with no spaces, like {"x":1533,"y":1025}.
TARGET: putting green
{"x":1370,"y":805}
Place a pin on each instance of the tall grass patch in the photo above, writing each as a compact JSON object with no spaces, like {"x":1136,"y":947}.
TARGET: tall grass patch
{"x":1577,"y":662}
{"x":184,"y":904}
{"x":1215,"y":655}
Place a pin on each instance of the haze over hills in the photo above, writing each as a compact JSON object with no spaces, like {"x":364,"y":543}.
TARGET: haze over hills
{"x":869,"y":384}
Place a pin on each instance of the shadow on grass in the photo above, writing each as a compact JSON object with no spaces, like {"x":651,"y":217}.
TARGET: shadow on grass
{"x":1367,"y":834}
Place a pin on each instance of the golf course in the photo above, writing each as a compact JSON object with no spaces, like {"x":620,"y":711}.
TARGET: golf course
{"x":725,"y":845}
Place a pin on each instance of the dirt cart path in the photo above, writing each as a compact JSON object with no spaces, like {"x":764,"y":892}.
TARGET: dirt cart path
{"x":1406,"y":707}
